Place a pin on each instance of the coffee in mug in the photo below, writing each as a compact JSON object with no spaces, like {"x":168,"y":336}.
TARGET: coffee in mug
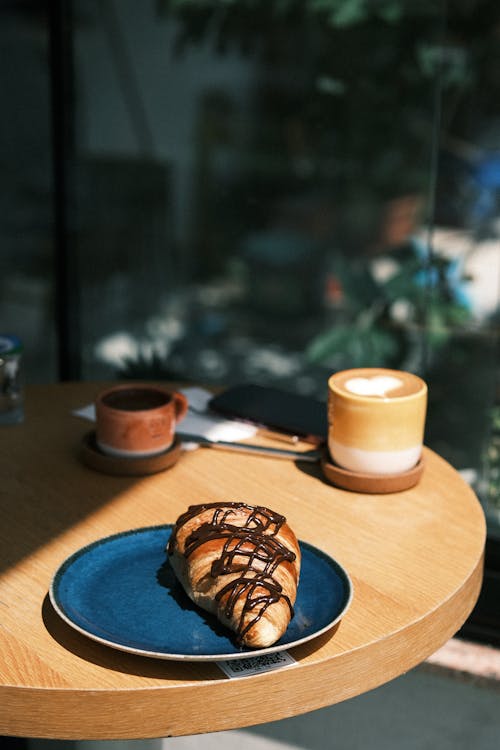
{"x":138,"y":419}
{"x":376,"y":420}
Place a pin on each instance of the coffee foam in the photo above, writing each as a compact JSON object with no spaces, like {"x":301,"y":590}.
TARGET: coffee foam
{"x":379,"y":385}
{"x":372,"y":382}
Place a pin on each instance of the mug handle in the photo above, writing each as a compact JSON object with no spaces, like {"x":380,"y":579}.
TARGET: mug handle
{"x":180,"y":406}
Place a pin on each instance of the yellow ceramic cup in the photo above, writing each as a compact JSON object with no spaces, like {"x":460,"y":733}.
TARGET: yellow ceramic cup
{"x":376,"y":420}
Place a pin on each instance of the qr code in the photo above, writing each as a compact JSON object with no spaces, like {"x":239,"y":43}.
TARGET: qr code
{"x":256,"y":664}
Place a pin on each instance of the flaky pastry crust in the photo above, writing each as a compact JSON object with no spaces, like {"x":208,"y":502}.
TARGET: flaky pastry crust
{"x":241,"y":563}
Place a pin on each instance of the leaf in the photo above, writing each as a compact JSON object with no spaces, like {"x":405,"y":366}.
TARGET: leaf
{"x":348,"y":13}
{"x":354,"y":346}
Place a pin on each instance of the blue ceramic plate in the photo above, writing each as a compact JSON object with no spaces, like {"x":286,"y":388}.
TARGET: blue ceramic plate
{"x":121,"y":592}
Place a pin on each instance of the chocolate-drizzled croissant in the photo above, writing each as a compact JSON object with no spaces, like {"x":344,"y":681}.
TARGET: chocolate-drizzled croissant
{"x":240,"y":563}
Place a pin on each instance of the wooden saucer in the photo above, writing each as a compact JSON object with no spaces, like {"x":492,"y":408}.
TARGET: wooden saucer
{"x":94,"y":458}
{"x":370,"y":483}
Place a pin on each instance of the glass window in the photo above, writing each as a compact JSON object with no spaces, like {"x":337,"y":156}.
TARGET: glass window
{"x":27,"y":278}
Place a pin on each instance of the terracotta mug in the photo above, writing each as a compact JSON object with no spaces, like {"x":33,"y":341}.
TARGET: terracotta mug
{"x":138,"y":419}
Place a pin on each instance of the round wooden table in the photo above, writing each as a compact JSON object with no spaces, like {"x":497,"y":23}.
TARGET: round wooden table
{"x":414,"y":557}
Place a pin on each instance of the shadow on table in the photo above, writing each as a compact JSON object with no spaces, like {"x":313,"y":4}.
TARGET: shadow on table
{"x":106,"y":657}
{"x":47,"y":488}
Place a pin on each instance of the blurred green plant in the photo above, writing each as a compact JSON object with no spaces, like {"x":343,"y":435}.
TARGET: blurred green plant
{"x":338,"y":13}
{"x":363,"y":74}
{"x":378,"y":318}
{"x":365,"y":79}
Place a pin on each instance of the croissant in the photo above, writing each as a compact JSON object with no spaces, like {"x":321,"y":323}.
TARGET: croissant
{"x":242,"y":564}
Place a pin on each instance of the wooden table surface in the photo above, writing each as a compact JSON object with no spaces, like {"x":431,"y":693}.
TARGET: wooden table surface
{"x":415,"y":559}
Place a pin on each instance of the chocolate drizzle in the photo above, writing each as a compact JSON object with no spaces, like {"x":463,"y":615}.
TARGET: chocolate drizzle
{"x":251,"y":550}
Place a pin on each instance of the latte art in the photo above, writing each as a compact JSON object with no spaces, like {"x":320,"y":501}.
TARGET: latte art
{"x":379,"y":385}
{"x":377,"y":382}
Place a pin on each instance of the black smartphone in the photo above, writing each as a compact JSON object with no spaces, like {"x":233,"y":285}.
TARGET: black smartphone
{"x":274,"y":409}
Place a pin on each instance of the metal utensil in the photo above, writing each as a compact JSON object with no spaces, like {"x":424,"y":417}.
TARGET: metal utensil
{"x":264,"y":450}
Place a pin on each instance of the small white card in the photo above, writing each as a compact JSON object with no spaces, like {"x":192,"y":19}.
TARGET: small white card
{"x":256,"y":664}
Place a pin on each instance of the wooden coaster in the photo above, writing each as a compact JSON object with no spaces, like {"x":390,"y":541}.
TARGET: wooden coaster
{"x":370,"y":483}
{"x":94,"y":458}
